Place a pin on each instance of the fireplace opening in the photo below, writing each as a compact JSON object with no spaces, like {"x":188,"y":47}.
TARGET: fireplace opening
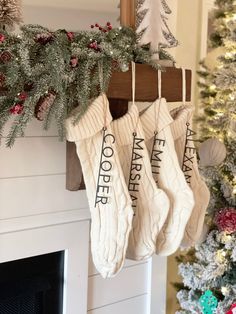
{"x":32,"y":285}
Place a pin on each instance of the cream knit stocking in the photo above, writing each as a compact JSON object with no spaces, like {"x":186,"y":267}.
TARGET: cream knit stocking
{"x":186,"y":151}
{"x":167,"y":173}
{"x":150,"y":204}
{"x":108,"y":196}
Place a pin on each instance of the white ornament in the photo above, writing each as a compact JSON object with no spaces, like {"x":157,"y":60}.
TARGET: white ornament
{"x":225,"y":290}
{"x":154,"y":25}
{"x":212,"y":152}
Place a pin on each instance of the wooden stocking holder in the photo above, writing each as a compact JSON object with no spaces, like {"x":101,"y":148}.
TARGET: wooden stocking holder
{"x":120,"y":93}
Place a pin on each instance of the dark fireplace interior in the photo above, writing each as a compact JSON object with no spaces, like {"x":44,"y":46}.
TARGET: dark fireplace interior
{"x":32,"y":285}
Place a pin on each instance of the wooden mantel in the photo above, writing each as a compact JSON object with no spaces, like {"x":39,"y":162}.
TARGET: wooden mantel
{"x":146,"y":81}
{"x":120,"y":93}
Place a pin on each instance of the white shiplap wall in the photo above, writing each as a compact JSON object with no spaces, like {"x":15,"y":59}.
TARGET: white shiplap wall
{"x":32,"y":183}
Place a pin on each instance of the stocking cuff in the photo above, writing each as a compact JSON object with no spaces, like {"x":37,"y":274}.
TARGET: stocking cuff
{"x":181,"y":116}
{"x":155,"y":118}
{"x":95,"y":118}
{"x":126,"y":126}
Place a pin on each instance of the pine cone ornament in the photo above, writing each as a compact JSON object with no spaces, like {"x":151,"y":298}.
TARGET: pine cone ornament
{"x":44,"y":38}
{"x":5,"y":57}
{"x":43,"y":105}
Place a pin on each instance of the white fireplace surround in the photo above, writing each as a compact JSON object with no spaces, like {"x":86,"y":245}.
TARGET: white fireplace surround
{"x":42,"y":234}
{"x":69,"y":231}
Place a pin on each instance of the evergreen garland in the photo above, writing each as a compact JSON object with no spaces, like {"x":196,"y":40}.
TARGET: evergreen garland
{"x":68,"y":65}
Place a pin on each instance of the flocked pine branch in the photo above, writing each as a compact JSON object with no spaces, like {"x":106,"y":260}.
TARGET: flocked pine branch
{"x":39,"y":62}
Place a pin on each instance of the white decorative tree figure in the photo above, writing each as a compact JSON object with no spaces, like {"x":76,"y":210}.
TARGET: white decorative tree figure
{"x":152,"y":28}
{"x":10,"y":13}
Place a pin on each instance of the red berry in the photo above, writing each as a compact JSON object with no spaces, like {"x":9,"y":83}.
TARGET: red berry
{"x":22,"y":96}
{"x":92,"y":26}
{"x":108,"y":23}
{"x":17,"y":109}
{"x":104,"y":30}
{"x":97,"y":25}
{"x":70,"y":35}
{"x":109,"y":27}
{"x":92,"y":45}
{"x":73,"y":61}
{"x":100,"y":28}
{"x":2,"y":38}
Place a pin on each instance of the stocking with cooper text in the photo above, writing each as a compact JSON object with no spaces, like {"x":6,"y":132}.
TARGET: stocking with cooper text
{"x":108,"y":196}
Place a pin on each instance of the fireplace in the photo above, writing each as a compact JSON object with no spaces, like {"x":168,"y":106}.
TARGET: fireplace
{"x":30,"y":242}
{"x":32,"y":285}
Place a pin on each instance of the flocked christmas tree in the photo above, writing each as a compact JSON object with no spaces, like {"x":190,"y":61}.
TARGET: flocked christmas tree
{"x":209,"y":272}
{"x":151,"y":24}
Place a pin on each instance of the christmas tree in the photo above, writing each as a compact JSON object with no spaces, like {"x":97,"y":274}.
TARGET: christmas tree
{"x":152,"y":24}
{"x":209,"y":271}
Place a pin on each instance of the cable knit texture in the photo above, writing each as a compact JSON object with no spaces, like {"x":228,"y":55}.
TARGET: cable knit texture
{"x":150,"y":204}
{"x":181,"y":116}
{"x":168,"y":175}
{"x":111,"y":222}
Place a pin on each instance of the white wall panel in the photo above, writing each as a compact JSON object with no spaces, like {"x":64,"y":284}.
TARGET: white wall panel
{"x":136,"y":305}
{"x":128,"y":283}
{"x":33,"y":156}
{"x":104,"y":5}
{"x":128,"y":263}
{"x":35,"y":129}
{"x":80,"y":18}
{"x":36,"y":195}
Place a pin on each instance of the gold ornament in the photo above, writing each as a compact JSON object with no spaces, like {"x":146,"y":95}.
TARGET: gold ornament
{"x":212,"y":152}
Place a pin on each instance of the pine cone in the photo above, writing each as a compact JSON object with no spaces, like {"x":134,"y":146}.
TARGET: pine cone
{"x":5,"y":57}
{"x":44,"y":103}
{"x":44,"y":38}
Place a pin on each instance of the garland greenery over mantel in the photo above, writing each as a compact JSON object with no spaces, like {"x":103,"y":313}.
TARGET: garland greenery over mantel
{"x":45,"y":74}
